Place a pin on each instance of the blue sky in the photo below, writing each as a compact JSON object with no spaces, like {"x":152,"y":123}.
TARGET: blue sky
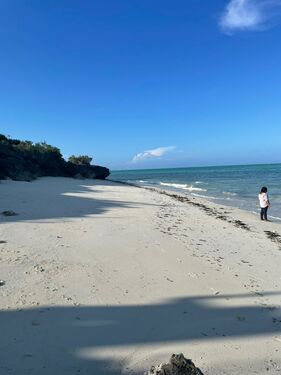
{"x":142,"y":83}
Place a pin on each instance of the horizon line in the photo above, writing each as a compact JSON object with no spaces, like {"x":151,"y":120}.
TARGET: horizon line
{"x":191,"y":167}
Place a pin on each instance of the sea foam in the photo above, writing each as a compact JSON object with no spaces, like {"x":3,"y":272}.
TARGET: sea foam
{"x":229,"y":193}
{"x":182,"y":186}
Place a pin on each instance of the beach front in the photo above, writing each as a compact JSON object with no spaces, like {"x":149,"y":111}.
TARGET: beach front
{"x":105,"y":278}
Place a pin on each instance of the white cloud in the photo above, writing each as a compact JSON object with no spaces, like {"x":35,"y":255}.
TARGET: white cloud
{"x":152,"y":154}
{"x":248,"y":14}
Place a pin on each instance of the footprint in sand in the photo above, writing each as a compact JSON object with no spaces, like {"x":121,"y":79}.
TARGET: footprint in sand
{"x":193,"y":275}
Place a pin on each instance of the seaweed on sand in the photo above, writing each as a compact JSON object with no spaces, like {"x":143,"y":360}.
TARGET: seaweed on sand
{"x":274,"y":237}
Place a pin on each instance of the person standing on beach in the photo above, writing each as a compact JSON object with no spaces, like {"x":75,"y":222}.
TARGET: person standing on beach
{"x":264,"y":203}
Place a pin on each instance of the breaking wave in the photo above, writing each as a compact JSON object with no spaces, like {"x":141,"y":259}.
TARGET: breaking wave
{"x":182,"y":186}
{"x":229,"y":193}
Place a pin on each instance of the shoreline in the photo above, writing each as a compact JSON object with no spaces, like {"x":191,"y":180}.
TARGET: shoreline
{"x":202,"y":203}
{"x":232,"y":186}
{"x":102,"y":279}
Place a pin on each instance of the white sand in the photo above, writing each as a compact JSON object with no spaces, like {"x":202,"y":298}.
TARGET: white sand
{"x":105,"y":279}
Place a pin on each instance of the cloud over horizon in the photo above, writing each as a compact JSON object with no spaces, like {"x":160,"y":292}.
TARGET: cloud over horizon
{"x":251,"y":15}
{"x":156,"y":153}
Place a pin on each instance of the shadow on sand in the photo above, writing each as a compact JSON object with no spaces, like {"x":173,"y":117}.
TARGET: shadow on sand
{"x":52,"y":340}
{"x":56,"y":198}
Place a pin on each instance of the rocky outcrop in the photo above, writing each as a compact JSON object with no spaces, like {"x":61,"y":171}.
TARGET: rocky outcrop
{"x":87,"y":171}
{"x":25,"y":161}
{"x":178,"y":365}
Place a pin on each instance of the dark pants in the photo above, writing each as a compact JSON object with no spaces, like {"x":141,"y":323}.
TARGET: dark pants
{"x":264,"y":213}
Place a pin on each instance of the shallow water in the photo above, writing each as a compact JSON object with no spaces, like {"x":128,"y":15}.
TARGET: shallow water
{"x":236,"y":186}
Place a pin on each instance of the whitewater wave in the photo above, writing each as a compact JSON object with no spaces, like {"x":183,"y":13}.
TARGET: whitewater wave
{"x":229,"y":193}
{"x":140,"y":182}
{"x":275,"y":217}
{"x":182,"y":186}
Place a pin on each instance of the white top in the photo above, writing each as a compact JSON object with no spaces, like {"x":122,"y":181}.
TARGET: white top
{"x":263,"y":197}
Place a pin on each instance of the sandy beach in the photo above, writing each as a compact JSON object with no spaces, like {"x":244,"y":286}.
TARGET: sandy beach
{"x":102,"y":278}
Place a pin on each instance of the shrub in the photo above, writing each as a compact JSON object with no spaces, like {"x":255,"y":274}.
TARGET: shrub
{"x":3,"y":138}
{"x":25,"y":160}
{"x":80,"y":160}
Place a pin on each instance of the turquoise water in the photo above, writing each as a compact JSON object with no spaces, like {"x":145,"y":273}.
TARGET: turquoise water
{"x":236,"y":186}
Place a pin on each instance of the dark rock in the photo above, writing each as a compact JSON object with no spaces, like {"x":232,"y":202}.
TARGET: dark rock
{"x":9,"y":213}
{"x":178,"y":365}
{"x":87,"y":171}
{"x":2,"y":283}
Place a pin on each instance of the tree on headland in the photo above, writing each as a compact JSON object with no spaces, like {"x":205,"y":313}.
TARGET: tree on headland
{"x":80,"y":160}
{"x":25,"y":160}
{"x":3,"y":138}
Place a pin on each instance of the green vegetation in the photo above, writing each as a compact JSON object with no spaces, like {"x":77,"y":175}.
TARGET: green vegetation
{"x":25,"y":160}
{"x":80,"y":160}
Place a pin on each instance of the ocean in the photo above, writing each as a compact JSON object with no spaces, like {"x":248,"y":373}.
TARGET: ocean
{"x":236,"y":186}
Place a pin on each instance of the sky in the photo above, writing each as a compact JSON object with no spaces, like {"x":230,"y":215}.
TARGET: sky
{"x":144,"y":83}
